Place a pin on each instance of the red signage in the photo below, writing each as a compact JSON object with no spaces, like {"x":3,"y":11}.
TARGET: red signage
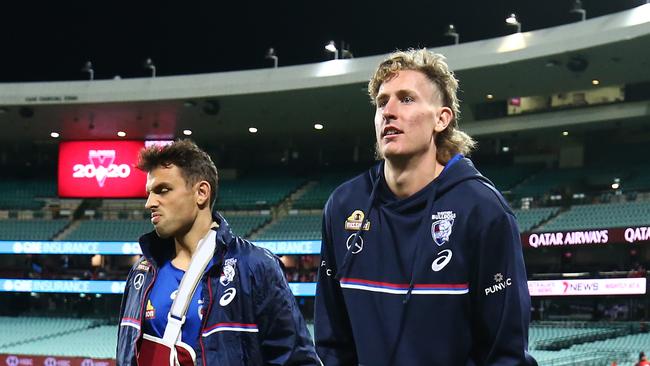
{"x":586,"y":237}
{"x":28,"y":360}
{"x":102,"y":169}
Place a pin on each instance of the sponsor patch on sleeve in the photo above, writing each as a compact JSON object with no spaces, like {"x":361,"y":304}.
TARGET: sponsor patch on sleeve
{"x":355,"y":220}
{"x":143,"y":266}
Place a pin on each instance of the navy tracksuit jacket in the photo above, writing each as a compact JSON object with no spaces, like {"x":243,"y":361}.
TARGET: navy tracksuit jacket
{"x":250,"y":319}
{"x":437,"y":278}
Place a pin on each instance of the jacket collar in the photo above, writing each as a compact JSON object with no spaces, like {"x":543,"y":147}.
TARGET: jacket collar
{"x":158,"y":250}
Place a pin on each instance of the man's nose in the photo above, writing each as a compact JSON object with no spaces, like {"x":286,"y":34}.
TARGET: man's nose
{"x":389,"y":110}
{"x":151,"y":201}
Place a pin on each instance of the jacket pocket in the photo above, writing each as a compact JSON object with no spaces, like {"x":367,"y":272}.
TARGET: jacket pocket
{"x":232,"y":344}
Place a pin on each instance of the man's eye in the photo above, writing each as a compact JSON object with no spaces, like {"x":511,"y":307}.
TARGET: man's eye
{"x":381,"y":103}
{"x":163,"y":190}
{"x":408,"y":99}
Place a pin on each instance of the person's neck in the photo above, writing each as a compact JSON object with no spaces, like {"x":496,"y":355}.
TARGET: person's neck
{"x":406,"y":177}
{"x":186,"y":244}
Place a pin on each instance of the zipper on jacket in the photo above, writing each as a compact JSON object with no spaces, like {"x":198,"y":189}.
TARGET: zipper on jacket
{"x":205,"y":319}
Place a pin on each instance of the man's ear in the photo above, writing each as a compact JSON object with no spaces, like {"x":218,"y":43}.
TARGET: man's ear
{"x":203,"y":191}
{"x":445,"y":118}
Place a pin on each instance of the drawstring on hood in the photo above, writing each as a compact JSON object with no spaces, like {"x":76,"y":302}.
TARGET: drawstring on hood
{"x":429,"y":208}
{"x":348,"y":258}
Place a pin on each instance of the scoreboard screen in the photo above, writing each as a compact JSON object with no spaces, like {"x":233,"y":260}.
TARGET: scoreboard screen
{"x":100,"y":169}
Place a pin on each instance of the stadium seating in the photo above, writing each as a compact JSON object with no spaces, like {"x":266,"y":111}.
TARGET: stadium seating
{"x":547,"y":181}
{"x":108,"y":230}
{"x":594,"y":352}
{"x":528,"y":219}
{"x":632,"y":343}
{"x":639,"y":180}
{"x":572,"y":180}
{"x":255,"y":193}
{"x":89,"y":338}
{"x":244,"y":225}
{"x":18,"y":330}
{"x":600,"y":216}
{"x":95,"y":342}
{"x":316,"y":196}
{"x":507,"y":177}
{"x":30,"y":229}
{"x":22,"y":194}
{"x":131,"y":230}
{"x":573,"y":358}
{"x":504,"y":178}
{"x":293,"y":227}
{"x":308,"y":226}
{"x":544,"y":333}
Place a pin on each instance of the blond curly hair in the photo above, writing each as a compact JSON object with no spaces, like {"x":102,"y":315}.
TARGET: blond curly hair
{"x":452,"y":140}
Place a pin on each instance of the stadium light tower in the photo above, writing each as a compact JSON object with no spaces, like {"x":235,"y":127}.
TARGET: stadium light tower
{"x":88,"y":67}
{"x":345,"y":50}
{"x":148,"y":64}
{"x":512,"y":21}
{"x":331,"y":47}
{"x":270,"y":54}
{"x":451,"y":32}
{"x":577,"y":8}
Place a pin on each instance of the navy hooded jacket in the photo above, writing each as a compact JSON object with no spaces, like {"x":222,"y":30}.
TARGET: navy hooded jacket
{"x":259,"y":322}
{"x":437,"y":278}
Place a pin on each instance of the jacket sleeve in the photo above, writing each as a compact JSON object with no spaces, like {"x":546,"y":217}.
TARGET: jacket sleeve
{"x":501,"y":313}
{"x":284,"y":338}
{"x":122,"y":342}
{"x":333,"y":332}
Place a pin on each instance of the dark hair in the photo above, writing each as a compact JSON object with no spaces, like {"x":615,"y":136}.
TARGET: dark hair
{"x":194,"y":163}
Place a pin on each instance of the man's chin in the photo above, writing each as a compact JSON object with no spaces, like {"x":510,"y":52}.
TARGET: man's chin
{"x":391,"y":154}
{"x":162,"y":234}
{"x":387,"y":152}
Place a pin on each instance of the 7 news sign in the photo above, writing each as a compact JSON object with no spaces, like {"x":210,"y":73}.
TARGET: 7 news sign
{"x":102,"y":169}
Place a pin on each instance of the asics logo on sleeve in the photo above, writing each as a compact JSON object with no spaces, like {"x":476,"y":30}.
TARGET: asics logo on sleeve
{"x":444,"y":256}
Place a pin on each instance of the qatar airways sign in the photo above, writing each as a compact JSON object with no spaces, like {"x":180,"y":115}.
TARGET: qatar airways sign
{"x":536,"y":240}
{"x":581,"y":237}
{"x":588,"y":287}
{"x":103,"y":169}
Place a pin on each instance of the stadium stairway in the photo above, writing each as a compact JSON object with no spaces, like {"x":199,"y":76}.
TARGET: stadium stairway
{"x":66,"y":230}
{"x":250,"y":235}
{"x":524,"y":182}
{"x":279,"y":214}
{"x":283,"y":208}
{"x":550,"y":218}
{"x":301,"y":191}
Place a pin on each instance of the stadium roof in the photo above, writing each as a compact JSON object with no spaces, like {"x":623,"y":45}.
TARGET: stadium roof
{"x":52,"y":40}
{"x":285,"y":103}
